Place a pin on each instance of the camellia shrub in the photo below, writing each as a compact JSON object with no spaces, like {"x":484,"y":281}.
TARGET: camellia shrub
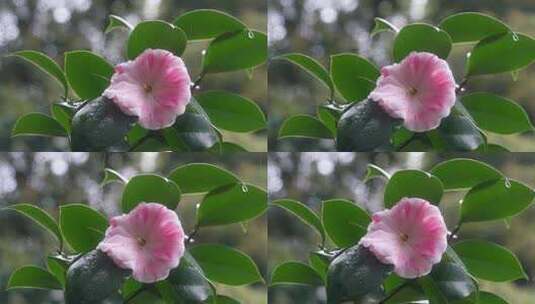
{"x":150,"y":102}
{"x":405,"y":253}
{"x":415,"y":104}
{"x":144,"y":255}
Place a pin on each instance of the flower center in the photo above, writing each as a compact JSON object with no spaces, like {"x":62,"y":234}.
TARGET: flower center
{"x":147,"y":87}
{"x":141,"y":241}
{"x":412,"y":91}
{"x":403,"y":237}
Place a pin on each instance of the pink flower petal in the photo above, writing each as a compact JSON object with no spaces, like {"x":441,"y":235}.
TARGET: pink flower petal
{"x":149,"y":241}
{"x":412,"y":236}
{"x":420,"y":90}
{"x":155,"y":87}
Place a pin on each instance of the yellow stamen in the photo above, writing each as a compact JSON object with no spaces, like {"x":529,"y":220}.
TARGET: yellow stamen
{"x":413,"y":91}
{"x":403,"y":237}
{"x":147,"y":88}
{"x":141,"y":242}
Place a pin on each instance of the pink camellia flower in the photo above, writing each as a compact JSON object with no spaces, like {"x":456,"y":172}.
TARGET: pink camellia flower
{"x":412,"y":236}
{"x":149,"y":241}
{"x":155,"y":87}
{"x":420,"y":90}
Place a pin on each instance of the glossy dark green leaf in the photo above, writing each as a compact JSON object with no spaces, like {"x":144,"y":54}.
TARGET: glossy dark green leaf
{"x":319,"y":263}
{"x":364,"y":127}
{"x":39,"y":216}
{"x":201,"y":177}
{"x":492,"y":148}
{"x":224,"y":300}
{"x":497,"y":114}
{"x":489,"y":261}
{"x":88,"y":74}
{"x":458,"y":133}
{"x":236,"y":51}
{"x":207,"y":24}
{"x":302,"y":212}
{"x":62,"y":115}
{"x":304,"y":126}
{"x":344,"y":221}
{"x":295,"y":273}
{"x":188,"y":282}
{"x":495,"y":199}
{"x":489,"y":298}
{"x":311,"y":66}
{"x":82,"y":227}
{"x":413,"y":183}
{"x":45,"y":64}
{"x":410,"y":293}
{"x":232,"y":112}
{"x":447,"y":283}
{"x":328,"y":118}
{"x":33,"y":277}
{"x":382,"y":25}
{"x":150,"y":188}
{"x":501,"y":53}
{"x":156,"y":34}
{"x":353,"y":76}
{"x":37,"y":124}
{"x":226,"y":147}
{"x":421,"y":37}
{"x":472,"y":26}
{"x":226,"y":265}
{"x":464,"y":173}
{"x":117,"y":22}
{"x":58,"y":269}
{"x":230,"y":204}
{"x":356,"y":266}
{"x":100,"y":126}
{"x":93,"y":278}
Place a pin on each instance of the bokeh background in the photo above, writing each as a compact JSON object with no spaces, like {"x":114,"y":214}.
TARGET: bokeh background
{"x":320,"y":28}
{"x":57,"y":26}
{"x":313,"y":177}
{"x":49,"y":180}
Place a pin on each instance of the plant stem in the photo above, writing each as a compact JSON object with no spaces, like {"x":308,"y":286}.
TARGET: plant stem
{"x":394,"y":292}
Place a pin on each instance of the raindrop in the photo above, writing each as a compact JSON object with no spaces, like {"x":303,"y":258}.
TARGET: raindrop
{"x":251,"y":35}
{"x":507,"y":183}
{"x":192,"y":240}
{"x":203,"y":52}
{"x":515,"y":37}
{"x":197,"y":87}
{"x":244,"y":188}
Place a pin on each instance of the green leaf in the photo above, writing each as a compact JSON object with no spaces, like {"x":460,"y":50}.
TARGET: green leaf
{"x":353,"y":76}
{"x":413,"y":183}
{"x":58,"y":269}
{"x":382,"y":25}
{"x":497,"y":114}
{"x":32,"y":277}
{"x":304,"y":126}
{"x":150,"y":188}
{"x":411,"y":293}
{"x":302,"y":212}
{"x":62,"y":115}
{"x":458,"y":133}
{"x":93,"y":278}
{"x":489,"y":261}
{"x":421,"y":37}
{"x":230,"y":204}
{"x":355,"y":275}
{"x":364,"y":127}
{"x":447,"y":283}
{"x":232,"y":112}
{"x":226,"y":265}
{"x":235,"y":51}
{"x":192,"y":131}
{"x":328,"y":117}
{"x":188,"y":282}
{"x":100,"y":126}
{"x":207,"y":24}
{"x":471,"y":27}
{"x":37,"y":124}
{"x":489,"y":298}
{"x":295,"y":273}
{"x":226,"y":147}
{"x":201,"y":177}
{"x":495,"y":199}
{"x":156,"y":34}
{"x":311,"y":66}
{"x":219,"y":299}
{"x":464,"y":173}
{"x":489,"y":148}
{"x":39,"y":216}
{"x":373,"y":171}
{"x":88,"y":74}
{"x":45,"y":64}
{"x":501,"y":53}
{"x":319,"y":263}
{"x":112,"y":176}
{"x":117,"y":22}
{"x":82,"y":226}
{"x":344,"y":221}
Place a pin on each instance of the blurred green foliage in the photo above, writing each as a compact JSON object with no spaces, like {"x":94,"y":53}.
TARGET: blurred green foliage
{"x":314,"y":177}
{"x":52,"y":179}
{"x":57,"y":26}
{"x":320,"y":28}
